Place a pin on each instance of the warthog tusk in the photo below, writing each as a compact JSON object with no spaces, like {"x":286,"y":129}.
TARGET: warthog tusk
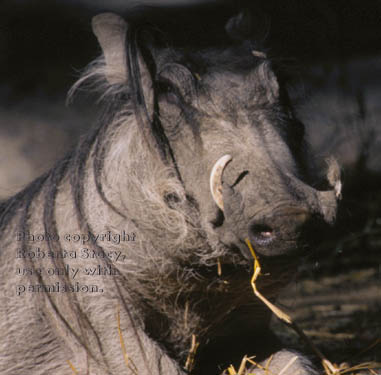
{"x":333,"y":176}
{"x":216,"y":180}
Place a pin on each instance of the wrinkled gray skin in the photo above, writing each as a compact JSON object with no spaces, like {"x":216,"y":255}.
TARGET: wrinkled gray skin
{"x":167,"y":287}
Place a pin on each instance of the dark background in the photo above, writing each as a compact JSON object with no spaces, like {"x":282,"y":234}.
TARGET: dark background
{"x":41,"y":40}
{"x":334,"y":50}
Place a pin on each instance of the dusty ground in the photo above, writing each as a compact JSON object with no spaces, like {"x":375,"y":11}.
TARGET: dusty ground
{"x":339,"y":309}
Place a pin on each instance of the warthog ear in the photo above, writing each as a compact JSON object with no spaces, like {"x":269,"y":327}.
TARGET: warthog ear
{"x":267,"y":76}
{"x":110,"y":30}
{"x":239,"y":27}
{"x":246,"y":25}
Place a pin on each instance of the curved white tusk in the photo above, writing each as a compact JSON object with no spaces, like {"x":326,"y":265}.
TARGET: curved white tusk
{"x":216,"y":180}
{"x":337,"y":189}
{"x":333,"y":176}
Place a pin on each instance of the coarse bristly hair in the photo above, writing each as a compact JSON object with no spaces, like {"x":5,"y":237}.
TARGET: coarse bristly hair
{"x":114,"y":178}
{"x":123,"y":176}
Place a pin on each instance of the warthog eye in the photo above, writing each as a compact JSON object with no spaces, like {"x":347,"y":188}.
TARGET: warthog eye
{"x":164,"y":87}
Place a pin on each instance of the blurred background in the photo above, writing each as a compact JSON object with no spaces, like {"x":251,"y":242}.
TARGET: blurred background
{"x":334,"y":49}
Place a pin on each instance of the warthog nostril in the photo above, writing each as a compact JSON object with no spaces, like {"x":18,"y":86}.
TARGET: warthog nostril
{"x":262,"y":234}
{"x":280,"y":230}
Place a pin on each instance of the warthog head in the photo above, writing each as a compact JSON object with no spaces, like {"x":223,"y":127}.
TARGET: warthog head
{"x":222,"y":119}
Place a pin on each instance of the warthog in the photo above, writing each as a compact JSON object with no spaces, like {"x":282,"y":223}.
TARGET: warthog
{"x":133,"y":247}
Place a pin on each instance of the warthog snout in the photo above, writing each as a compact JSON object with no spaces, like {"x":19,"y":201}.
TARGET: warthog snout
{"x":280,"y":229}
{"x":279,"y":218}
